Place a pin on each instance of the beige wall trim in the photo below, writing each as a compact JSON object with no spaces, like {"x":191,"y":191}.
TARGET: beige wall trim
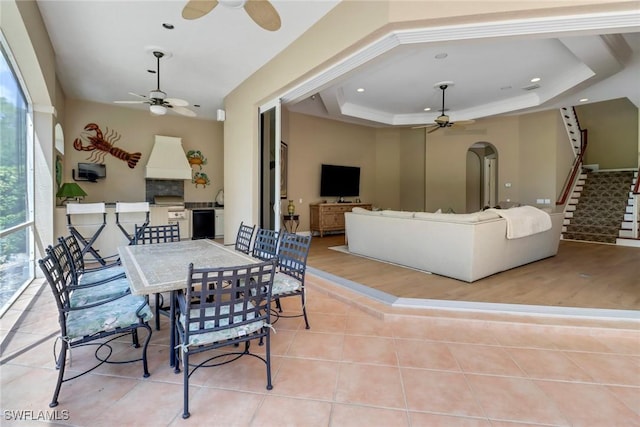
{"x":615,"y":21}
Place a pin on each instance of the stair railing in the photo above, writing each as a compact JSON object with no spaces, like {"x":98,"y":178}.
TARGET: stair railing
{"x":636,"y":209}
{"x":577,"y":165}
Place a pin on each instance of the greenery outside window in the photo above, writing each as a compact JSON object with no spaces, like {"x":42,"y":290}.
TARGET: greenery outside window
{"x":16,"y":186}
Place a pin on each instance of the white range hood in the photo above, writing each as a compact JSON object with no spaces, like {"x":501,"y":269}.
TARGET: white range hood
{"x":168,"y":160}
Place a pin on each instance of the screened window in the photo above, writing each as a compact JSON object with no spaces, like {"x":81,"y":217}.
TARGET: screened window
{"x":16,"y":209}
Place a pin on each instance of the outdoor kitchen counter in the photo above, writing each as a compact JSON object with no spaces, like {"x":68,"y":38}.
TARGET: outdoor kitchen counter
{"x":111,"y":236}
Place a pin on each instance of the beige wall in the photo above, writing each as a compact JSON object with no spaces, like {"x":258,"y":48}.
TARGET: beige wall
{"x":388,"y":169}
{"x":446,"y":160}
{"x":312,"y":142}
{"x":411,"y":170}
{"x":537,"y":138}
{"x":391,"y":162}
{"x":358,"y":22}
{"x":612,"y":128}
{"x":314,"y":49}
{"x":137,"y":129}
{"x":398,"y":167}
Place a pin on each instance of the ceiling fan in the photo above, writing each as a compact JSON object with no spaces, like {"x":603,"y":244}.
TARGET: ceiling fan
{"x":442,"y":121}
{"x":261,"y":11}
{"x":157,"y":99}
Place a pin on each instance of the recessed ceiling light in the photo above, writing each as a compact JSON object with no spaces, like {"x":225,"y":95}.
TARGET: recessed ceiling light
{"x":427,"y":109}
{"x":535,"y":79}
{"x":584,"y":99}
{"x":168,"y":26}
{"x":505,"y":88}
{"x":441,"y":55}
{"x":360,"y":89}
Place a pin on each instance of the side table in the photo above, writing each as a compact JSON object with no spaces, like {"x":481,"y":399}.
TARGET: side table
{"x":291,"y":222}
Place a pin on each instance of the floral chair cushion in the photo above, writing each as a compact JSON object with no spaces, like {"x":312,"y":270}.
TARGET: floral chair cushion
{"x":93,"y":276}
{"x":106,"y":317}
{"x":221,"y":335}
{"x":93,"y":294}
{"x":284,"y":284}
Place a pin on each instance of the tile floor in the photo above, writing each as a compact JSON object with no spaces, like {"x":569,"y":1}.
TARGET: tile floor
{"x":361,"y":364}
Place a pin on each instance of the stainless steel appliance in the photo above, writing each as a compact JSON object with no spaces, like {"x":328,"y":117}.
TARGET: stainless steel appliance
{"x":176,"y":213}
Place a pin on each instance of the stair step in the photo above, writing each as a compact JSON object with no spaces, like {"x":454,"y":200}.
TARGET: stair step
{"x":611,"y":230}
{"x":594,"y":221}
{"x":627,"y":225}
{"x":601,"y":204}
{"x":626,"y":234}
{"x":589,"y":237}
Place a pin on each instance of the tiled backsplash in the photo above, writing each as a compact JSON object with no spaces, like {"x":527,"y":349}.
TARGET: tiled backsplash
{"x":199,"y":205}
{"x":163,"y":187}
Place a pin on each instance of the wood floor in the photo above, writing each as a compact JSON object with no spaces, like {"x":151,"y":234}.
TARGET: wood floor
{"x":582,"y":275}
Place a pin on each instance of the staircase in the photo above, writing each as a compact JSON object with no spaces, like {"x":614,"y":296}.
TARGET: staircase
{"x":597,"y":207}
{"x":630,"y":221}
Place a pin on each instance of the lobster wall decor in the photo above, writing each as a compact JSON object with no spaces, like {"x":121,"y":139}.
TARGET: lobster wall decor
{"x":100,"y":145}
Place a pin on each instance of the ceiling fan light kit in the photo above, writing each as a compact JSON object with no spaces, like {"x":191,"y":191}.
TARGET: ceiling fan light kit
{"x":158,"y":110}
{"x":442,"y":121}
{"x":157,"y":99}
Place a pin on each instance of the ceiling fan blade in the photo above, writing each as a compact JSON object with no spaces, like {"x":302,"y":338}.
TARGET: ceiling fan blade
{"x":130,"y":102}
{"x":434,"y":129}
{"x":426,"y":126}
{"x":177,"y":102}
{"x":464,"y":122}
{"x":195,"y":9}
{"x":138,"y":95}
{"x":184,"y":111}
{"x":264,"y":14}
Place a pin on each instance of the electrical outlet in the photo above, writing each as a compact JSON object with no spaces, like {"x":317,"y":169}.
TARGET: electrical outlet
{"x":539,"y":201}
{"x":300,"y":201}
{"x":547,"y":201}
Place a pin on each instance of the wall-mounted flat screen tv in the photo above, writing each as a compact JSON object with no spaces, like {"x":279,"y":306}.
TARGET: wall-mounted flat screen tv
{"x":339,"y":181}
{"x":92,"y":171}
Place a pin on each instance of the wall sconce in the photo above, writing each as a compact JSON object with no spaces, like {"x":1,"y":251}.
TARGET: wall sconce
{"x":70,"y":191}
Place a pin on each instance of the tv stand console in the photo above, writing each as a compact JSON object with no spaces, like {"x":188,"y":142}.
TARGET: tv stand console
{"x":330,"y":216}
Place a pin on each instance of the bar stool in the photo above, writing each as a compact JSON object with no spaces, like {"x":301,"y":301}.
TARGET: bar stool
{"x":134,"y":209}
{"x":74,"y":212}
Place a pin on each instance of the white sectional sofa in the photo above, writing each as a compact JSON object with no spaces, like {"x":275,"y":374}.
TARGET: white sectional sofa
{"x":462,"y":246}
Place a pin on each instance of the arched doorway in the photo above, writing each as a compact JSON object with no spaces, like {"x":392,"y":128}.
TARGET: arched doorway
{"x":482,"y":176}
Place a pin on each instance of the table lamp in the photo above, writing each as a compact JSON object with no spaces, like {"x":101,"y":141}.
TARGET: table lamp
{"x":70,"y":191}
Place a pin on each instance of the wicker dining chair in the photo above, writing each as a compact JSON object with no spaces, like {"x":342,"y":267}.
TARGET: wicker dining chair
{"x":146,"y":235}
{"x":88,"y":275}
{"x":265,"y":246}
{"x":292,"y":254}
{"x":93,"y":324}
{"x":223,"y":307}
{"x":244,"y":237}
{"x":86,"y":289}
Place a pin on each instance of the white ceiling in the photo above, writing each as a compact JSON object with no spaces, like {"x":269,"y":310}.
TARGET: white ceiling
{"x":104,"y":48}
{"x":103,"y":52}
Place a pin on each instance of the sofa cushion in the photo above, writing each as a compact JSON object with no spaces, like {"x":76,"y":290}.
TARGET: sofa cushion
{"x":458,"y":218}
{"x":364,"y":211}
{"x":397,"y":214}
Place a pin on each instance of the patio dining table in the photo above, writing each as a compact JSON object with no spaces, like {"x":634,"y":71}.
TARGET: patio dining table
{"x":163,"y":267}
